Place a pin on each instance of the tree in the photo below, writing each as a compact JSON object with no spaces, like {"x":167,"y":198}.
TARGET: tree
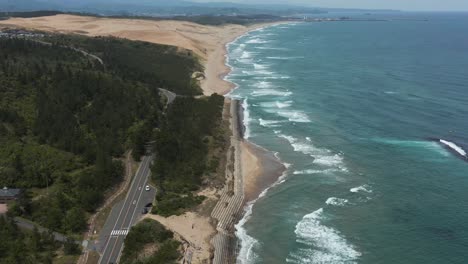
{"x":70,"y":247}
{"x":74,"y":221}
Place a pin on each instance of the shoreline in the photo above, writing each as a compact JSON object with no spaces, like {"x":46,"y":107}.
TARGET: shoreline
{"x":260,"y":168}
{"x":210,"y":44}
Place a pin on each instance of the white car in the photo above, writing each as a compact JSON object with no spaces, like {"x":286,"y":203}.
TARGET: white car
{"x":147,"y":188}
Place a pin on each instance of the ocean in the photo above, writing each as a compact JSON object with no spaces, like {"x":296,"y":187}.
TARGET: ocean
{"x":371,"y":119}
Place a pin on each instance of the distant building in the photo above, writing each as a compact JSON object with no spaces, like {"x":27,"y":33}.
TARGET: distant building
{"x":7,"y":195}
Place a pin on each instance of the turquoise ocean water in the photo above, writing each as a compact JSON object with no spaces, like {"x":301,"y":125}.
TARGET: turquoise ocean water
{"x":357,"y":111}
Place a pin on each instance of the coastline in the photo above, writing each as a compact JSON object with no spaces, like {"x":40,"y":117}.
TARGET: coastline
{"x":260,"y":168}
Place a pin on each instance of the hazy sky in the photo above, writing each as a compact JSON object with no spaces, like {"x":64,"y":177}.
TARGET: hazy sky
{"x":436,"y":5}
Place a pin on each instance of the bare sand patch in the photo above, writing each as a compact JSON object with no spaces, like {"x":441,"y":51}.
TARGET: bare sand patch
{"x":3,"y":208}
{"x":193,"y":228}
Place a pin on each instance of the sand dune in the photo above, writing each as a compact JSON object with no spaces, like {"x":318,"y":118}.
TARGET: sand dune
{"x":208,"y":42}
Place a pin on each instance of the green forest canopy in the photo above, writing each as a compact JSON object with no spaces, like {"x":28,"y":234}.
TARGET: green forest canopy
{"x":64,"y":117}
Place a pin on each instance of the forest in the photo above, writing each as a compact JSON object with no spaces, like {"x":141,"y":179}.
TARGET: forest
{"x":31,"y":247}
{"x":66,"y":119}
{"x":192,"y":129}
{"x":71,"y":106}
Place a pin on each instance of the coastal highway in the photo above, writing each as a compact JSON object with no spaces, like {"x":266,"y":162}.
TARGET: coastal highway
{"x":125,"y":214}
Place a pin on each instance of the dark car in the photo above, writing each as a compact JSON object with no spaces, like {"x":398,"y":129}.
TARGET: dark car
{"x":145,"y":211}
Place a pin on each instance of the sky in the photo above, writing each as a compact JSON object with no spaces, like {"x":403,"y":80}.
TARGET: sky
{"x":410,"y":5}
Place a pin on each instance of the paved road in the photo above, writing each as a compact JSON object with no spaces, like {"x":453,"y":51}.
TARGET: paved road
{"x":125,"y":214}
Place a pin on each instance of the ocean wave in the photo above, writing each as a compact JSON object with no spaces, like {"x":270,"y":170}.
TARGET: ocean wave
{"x":323,"y":244}
{"x":246,"y":121}
{"x":272,"y":92}
{"x":294,"y":116}
{"x":246,"y":55}
{"x":271,"y":48}
{"x":258,"y":72}
{"x":270,"y":123}
{"x":276,"y":77}
{"x":433,"y":146}
{"x":248,"y":244}
{"x":303,"y":147}
{"x":362,"y":188}
{"x":256,"y":41}
{"x":322,"y":157}
{"x":246,"y":253}
{"x":277,"y":104}
{"x":284,"y":58}
{"x":454,"y":147}
{"x":336,"y":201}
{"x":312,"y":171}
{"x":259,"y":66}
{"x":264,"y":84}
{"x":332,"y":160}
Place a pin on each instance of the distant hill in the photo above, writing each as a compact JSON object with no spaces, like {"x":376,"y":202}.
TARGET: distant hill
{"x":150,"y":7}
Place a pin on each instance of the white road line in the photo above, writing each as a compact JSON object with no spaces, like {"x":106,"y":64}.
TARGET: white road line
{"x":123,"y":205}
{"x":122,"y":232}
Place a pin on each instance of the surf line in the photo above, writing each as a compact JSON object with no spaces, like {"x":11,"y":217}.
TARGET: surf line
{"x":453,"y":148}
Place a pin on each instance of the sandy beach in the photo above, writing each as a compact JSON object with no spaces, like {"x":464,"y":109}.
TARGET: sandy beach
{"x":260,"y":168}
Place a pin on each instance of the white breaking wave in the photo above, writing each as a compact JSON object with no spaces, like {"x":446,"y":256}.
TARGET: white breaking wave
{"x":276,"y":77}
{"x":246,"y":120}
{"x":270,"y":123}
{"x":259,"y":66}
{"x":248,"y":243}
{"x":362,"y":188}
{"x":455,"y":147}
{"x":277,"y":104}
{"x":256,"y":41}
{"x":284,"y":58}
{"x":333,"y":160}
{"x":263,"y":84}
{"x":273,"y":92}
{"x":336,"y":201}
{"x":246,"y":55}
{"x":311,"y":171}
{"x":294,"y":116}
{"x":246,"y":253}
{"x":320,"y":243}
{"x":433,"y":146}
{"x":271,"y":48}
{"x":323,"y":157}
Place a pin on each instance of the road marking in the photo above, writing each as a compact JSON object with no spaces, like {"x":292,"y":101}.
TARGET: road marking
{"x":142,"y":165}
{"x":142,"y":177}
{"x":123,"y":232}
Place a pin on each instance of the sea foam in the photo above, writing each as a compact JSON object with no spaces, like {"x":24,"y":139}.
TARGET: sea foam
{"x":248,"y":244}
{"x":362,"y":188}
{"x":246,"y":121}
{"x":271,"y":92}
{"x":320,"y":243}
{"x":294,"y":116}
{"x":455,"y":147}
{"x":277,"y":104}
{"x":270,"y":123}
{"x":336,"y":201}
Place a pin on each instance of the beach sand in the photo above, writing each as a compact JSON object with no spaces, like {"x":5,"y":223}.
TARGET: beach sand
{"x":259,"y":167}
{"x":208,"y":42}
{"x":193,"y":228}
